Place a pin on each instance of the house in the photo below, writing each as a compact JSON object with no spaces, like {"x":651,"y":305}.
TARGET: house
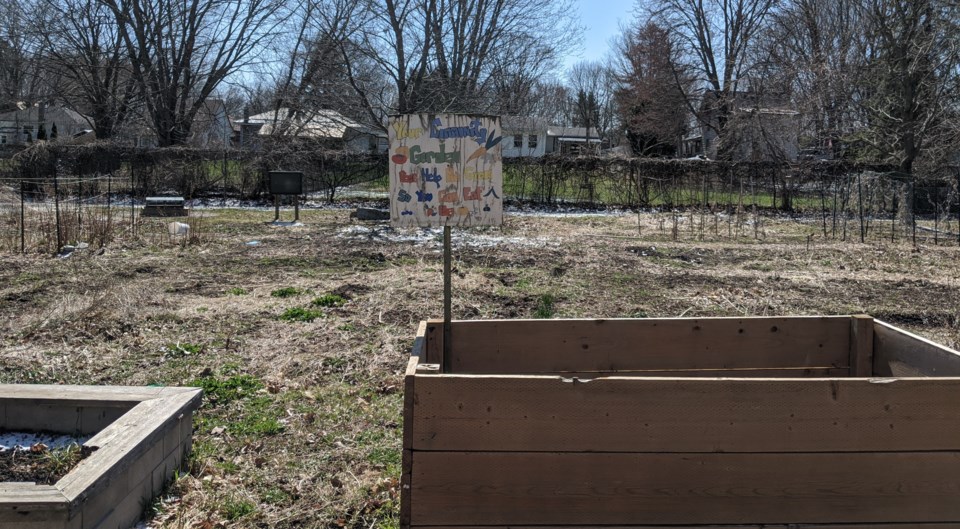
{"x":573,"y":140}
{"x":211,"y":126}
{"x":759,"y":127}
{"x":534,"y":137}
{"x":524,"y":136}
{"x":328,"y":126}
{"x":24,"y":125}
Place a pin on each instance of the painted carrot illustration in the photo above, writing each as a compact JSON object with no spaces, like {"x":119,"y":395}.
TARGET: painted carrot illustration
{"x":491,"y":143}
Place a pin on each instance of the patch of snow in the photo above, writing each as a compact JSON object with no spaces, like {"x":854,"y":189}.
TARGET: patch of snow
{"x":433,"y":237}
{"x":24,"y":440}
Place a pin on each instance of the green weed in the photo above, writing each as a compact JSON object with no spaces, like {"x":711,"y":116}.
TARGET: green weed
{"x":545,"y":309}
{"x":222,"y":391}
{"x":300,"y":314}
{"x":286,"y":292}
{"x":237,"y":291}
{"x":235,"y":508}
{"x":328,"y":300}
{"x":275,"y":495}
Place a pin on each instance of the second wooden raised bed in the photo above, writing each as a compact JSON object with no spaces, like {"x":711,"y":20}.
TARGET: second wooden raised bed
{"x":749,"y":422}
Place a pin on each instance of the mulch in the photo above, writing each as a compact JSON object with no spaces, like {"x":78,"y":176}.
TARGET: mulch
{"x":39,"y":464}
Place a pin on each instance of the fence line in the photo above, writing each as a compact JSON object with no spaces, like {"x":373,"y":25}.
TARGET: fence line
{"x":849,"y":201}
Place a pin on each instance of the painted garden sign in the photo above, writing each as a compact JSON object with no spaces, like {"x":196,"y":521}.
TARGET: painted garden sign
{"x":445,"y":170}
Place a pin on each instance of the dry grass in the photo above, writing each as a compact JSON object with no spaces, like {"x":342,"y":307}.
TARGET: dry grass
{"x":301,"y":423}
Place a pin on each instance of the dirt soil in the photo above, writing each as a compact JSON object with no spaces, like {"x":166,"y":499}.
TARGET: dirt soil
{"x":39,"y":465}
{"x":299,"y":335}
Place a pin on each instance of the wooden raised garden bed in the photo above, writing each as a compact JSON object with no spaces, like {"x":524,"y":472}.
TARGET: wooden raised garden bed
{"x":746,"y":422}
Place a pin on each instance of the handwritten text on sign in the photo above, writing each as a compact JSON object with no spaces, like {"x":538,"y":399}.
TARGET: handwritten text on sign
{"x":445,"y":170}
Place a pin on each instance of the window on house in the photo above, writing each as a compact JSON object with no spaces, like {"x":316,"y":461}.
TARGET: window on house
{"x":532,"y":141}
{"x":3,"y":140}
{"x":517,"y":141}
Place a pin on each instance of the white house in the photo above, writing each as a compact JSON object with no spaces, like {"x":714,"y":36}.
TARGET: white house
{"x":325,"y":125}
{"x":534,"y":137}
{"x":524,"y":136}
{"x":22,"y":126}
{"x":211,"y":127}
{"x":759,"y":127}
{"x":573,"y":140}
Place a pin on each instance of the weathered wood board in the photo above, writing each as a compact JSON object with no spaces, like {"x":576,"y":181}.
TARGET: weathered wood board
{"x":717,"y":422}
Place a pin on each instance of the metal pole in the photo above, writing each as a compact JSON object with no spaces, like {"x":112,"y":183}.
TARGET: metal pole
{"x":79,"y":202}
{"x":863,"y":234}
{"x":133,"y":214}
{"x":936,"y":214}
{"x":56,"y":207}
{"x":913,"y":208}
{"x":109,"y":201}
{"x":447,"y":293}
{"x":23,"y":231}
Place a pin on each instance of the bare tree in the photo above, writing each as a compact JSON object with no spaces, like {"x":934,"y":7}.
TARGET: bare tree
{"x":913,"y":58}
{"x":714,"y":38}
{"x":181,"y":50}
{"x":322,"y":68}
{"x":85,"y":51}
{"x":21,"y":48}
{"x":593,"y":83}
{"x":813,"y":53}
{"x":441,"y":55}
{"x":551,"y":100}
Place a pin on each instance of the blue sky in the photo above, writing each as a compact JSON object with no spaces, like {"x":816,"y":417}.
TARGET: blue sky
{"x":601,"y":18}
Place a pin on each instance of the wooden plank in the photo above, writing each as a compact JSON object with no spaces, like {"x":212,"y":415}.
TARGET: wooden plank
{"x":901,"y":353}
{"x":482,"y":488}
{"x":406,"y":461}
{"x":123,"y":396}
{"x":434,"y":342}
{"x":124,"y":441}
{"x":619,"y":414}
{"x":30,"y":494}
{"x":557,"y":346}
{"x":861,"y":346}
{"x":420,"y":342}
{"x":777,"y":372}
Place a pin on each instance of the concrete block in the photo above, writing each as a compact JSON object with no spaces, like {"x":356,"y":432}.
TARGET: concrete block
{"x":165,"y":471}
{"x":97,"y":507}
{"x":171,"y":437}
{"x":126,"y":513}
{"x":143,"y":467}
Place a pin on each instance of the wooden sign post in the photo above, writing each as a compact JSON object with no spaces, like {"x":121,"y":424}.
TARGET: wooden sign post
{"x":445,"y":170}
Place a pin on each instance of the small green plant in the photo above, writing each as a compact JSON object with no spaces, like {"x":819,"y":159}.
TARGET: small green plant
{"x":238,"y":291}
{"x":59,"y":461}
{"x":224,"y":390}
{"x":286,"y":292}
{"x":235,"y":508}
{"x":545,"y":308}
{"x":275,"y":496}
{"x":328,"y":300}
{"x":300,"y":314}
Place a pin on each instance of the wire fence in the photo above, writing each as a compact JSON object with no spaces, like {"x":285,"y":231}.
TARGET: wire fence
{"x":54,"y":195}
